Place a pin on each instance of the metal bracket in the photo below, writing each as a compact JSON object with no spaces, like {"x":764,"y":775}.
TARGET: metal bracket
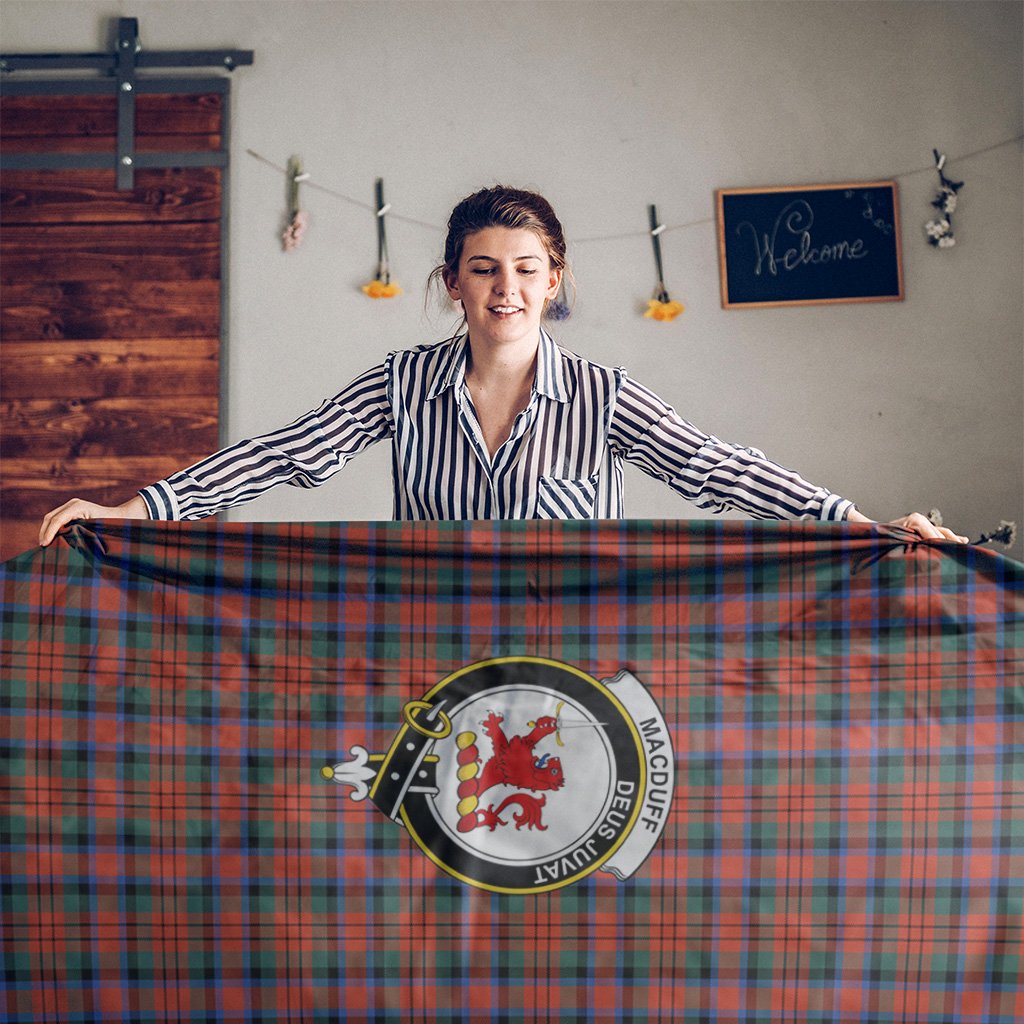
{"x":123,"y":65}
{"x":128,"y":46}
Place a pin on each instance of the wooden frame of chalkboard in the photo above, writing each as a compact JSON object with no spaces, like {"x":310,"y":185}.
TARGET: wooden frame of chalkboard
{"x":810,"y":245}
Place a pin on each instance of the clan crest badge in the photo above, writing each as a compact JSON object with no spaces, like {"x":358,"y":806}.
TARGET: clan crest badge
{"x":522,"y":774}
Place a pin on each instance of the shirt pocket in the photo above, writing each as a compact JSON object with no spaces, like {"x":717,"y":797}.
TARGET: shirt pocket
{"x":564,"y":498}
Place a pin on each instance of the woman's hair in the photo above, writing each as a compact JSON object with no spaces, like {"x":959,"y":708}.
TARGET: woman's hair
{"x":500,"y":207}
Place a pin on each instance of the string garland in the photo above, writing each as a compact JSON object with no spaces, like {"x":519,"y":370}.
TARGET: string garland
{"x":660,"y":308}
{"x":311,"y":183}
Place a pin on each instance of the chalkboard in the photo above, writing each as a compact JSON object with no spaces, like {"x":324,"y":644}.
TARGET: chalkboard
{"x":814,"y":244}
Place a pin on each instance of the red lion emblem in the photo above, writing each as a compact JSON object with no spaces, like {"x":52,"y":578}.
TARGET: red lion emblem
{"x":513,"y":763}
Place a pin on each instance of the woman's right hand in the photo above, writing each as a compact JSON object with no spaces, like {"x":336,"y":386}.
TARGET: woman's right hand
{"x":77,"y":508}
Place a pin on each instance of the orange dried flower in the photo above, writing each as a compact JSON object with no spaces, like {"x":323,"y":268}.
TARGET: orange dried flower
{"x":664,"y":311}
{"x":381,"y":290}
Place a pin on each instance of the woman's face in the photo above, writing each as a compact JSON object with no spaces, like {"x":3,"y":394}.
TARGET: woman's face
{"x":504,"y":280}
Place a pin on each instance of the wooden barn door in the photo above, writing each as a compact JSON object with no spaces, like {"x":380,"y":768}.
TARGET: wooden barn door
{"x":111,"y":297}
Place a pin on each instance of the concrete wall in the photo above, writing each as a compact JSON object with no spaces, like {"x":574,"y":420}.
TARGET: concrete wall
{"x":606,"y":107}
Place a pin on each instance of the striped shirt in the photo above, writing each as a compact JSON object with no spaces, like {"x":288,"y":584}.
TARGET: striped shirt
{"x":562,"y":460}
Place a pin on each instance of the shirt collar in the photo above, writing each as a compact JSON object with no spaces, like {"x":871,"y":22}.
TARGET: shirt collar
{"x":549,"y":381}
{"x":551,"y":375}
{"x":451,"y":370}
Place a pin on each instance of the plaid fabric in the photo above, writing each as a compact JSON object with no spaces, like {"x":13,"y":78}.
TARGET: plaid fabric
{"x":845,"y":841}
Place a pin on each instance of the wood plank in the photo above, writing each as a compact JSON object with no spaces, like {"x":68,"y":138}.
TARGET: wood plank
{"x":163,"y":195}
{"x":84,"y":116}
{"x":18,"y":536}
{"x":74,"y":116}
{"x":110,"y":368}
{"x":90,"y":472}
{"x":118,"y":309}
{"x":58,"y":429}
{"x":33,"y":486}
{"x":97,"y":252}
{"x":108,"y":144}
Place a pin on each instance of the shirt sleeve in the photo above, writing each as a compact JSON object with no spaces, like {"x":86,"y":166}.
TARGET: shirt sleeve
{"x":711,"y":473}
{"x":304,"y":453}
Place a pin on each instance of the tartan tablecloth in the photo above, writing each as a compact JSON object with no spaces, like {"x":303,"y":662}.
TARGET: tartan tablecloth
{"x":477,"y":772}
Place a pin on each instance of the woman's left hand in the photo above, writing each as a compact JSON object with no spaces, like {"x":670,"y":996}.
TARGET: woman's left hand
{"x":922,"y":525}
{"x":919,"y":523}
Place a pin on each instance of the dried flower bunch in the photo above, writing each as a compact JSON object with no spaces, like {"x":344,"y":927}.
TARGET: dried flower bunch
{"x":292,"y":236}
{"x":1005,"y":533}
{"x":298,"y":218}
{"x":940,"y":231}
{"x":660,"y":307}
{"x":559,"y":308}
{"x":381,"y":287}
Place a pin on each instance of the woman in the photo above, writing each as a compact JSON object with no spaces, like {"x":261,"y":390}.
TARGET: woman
{"x":497,"y":422}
